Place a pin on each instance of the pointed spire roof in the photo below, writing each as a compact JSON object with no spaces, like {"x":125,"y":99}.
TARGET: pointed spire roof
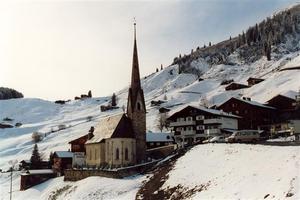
{"x":135,"y":75}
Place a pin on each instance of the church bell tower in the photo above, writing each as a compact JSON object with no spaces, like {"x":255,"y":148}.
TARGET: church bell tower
{"x":136,"y":109}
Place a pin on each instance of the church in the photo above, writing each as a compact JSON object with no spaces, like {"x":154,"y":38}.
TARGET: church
{"x":120,"y":140}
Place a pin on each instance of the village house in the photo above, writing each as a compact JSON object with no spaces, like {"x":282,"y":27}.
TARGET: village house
{"x":120,"y":140}
{"x":155,"y":140}
{"x":235,"y":86}
{"x":193,"y":124}
{"x":78,"y":149}
{"x":62,"y":160}
{"x":254,"y":114}
{"x":253,"y":81}
{"x":31,"y":178}
{"x":287,"y":121}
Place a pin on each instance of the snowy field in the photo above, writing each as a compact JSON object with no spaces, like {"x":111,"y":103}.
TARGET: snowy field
{"x":239,"y":171}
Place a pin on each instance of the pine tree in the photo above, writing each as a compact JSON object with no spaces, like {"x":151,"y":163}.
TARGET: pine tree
{"x":35,"y":158}
{"x":90,"y":94}
{"x":114,"y":100}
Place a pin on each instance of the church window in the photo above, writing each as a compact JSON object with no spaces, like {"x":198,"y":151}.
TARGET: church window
{"x":117,"y":154}
{"x":139,"y":106}
{"x":126,"y":154}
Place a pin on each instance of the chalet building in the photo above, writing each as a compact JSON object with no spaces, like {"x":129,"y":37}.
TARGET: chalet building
{"x":62,"y":160}
{"x":235,"y":86}
{"x":155,"y":140}
{"x":254,"y":114}
{"x":192,"y":124}
{"x":78,"y":149}
{"x":253,"y":81}
{"x":120,"y":140}
{"x":282,"y":103}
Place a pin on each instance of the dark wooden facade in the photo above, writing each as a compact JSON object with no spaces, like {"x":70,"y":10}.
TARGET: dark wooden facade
{"x":29,"y":179}
{"x":252,"y":81}
{"x":282,"y":103}
{"x":253,"y":113}
{"x":235,"y":86}
{"x":61,"y":162}
{"x":77,"y":145}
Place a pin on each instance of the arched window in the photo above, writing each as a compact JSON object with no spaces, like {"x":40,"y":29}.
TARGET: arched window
{"x":126,"y":154}
{"x":117,"y":154}
{"x":139,"y":106}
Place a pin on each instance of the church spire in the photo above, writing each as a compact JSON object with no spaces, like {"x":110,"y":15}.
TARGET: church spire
{"x":135,"y":75}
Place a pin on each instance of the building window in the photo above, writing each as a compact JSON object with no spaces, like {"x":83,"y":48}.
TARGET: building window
{"x":200,"y":127}
{"x":95,"y":154}
{"x":237,"y":112}
{"x":117,"y":154}
{"x":200,"y":117}
{"x":189,"y":119}
{"x":126,"y":154}
{"x":138,"y":106}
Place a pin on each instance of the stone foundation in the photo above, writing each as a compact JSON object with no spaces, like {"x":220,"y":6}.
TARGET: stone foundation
{"x":79,"y":174}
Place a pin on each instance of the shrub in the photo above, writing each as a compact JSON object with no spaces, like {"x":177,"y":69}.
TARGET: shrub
{"x":36,"y":137}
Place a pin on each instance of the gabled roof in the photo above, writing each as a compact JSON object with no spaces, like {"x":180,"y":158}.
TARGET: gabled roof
{"x":38,"y":171}
{"x":63,"y":154}
{"x":252,"y":78}
{"x":82,"y":137}
{"x":158,"y":137}
{"x":250,"y":102}
{"x":117,"y":126}
{"x":288,"y":94}
{"x":210,"y":111}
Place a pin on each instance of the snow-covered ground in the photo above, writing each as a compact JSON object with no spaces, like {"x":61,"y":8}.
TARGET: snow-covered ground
{"x":239,"y":171}
{"x":179,"y":90}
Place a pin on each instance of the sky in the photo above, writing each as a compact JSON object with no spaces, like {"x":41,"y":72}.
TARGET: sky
{"x":61,"y":49}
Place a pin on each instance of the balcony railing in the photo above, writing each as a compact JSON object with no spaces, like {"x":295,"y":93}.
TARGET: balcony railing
{"x":192,"y":132}
{"x":212,"y":121}
{"x":183,"y":123}
{"x":209,"y":132}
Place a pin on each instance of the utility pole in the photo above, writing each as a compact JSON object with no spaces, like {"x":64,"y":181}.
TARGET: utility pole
{"x":12,"y":163}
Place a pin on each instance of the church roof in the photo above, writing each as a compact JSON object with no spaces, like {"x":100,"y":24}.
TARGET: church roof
{"x":117,"y":126}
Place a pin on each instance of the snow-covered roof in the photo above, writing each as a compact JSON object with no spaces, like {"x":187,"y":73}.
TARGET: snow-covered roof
{"x":217,"y":112}
{"x":289,"y":93}
{"x":64,"y":154}
{"x":38,"y":171}
{"x":116,"y":126}
{"x":254,"y":103}
{"x":158,"y":137}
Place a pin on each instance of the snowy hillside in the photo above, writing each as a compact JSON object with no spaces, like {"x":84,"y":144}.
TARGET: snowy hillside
{"x":236,"y":169}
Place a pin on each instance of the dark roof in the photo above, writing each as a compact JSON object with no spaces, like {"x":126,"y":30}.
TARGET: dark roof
{"x":240,"y":86}
{"x":281,"y":96}
{"x":258,"y":79}
{"x":206,"y":110}
{"x":117,"y":126}
{"x":63,"y":154}
{"x":82,"y":137}
{"x":250,"y":102}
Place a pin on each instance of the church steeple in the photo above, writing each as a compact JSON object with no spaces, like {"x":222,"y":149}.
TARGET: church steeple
{"x":135,"y":75}
{"x":136,"y":109}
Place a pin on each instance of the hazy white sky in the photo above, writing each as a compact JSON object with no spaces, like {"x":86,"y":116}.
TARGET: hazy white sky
{"x":60,"y":49}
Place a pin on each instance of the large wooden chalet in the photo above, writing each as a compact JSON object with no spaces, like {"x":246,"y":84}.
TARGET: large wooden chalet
{"x":193,"y":124}
{"x":254,"y":114}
